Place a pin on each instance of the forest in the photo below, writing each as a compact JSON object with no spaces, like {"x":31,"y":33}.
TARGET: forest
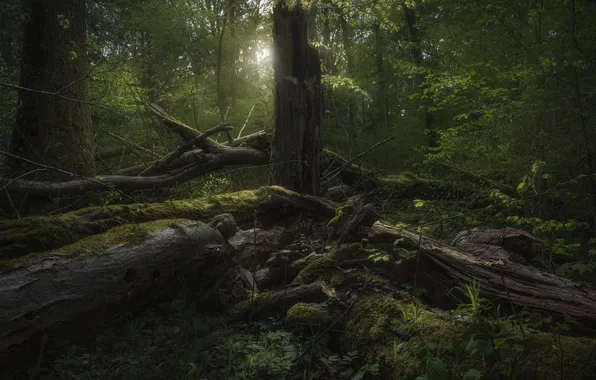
{"x":298,"y":189}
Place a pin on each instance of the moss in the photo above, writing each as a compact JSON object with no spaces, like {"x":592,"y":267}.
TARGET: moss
{"x":128,"y":233}
{"x":351,"y":251}
{"x":323,"y":268}
{"x":338,"y":218}
{"x":42,"y":233}
{"x":244,"y":308}
{"x":379,"y":322}
{"x":307,"y":313}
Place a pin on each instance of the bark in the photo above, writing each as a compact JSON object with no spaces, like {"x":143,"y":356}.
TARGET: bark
{"x":509,"y":283}
{"x":54,"y":60}
{"x":297,"y":136}
{"x":64,"y":295}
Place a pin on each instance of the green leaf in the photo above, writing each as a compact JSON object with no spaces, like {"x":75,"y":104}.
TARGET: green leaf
{"x":522,"y":187}
{"x":436,"y":369}
{"x":473,"y":374}
{"x":418,"y":203}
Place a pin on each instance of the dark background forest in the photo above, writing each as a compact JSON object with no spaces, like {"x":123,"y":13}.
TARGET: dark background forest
{"x":434,"y":116}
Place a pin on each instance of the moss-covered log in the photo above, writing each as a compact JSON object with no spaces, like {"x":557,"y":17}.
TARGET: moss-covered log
{"x":510,"y":283}
{"x":268,"y":304}
{"x":268,"y":205}
{"x":65,"y":293}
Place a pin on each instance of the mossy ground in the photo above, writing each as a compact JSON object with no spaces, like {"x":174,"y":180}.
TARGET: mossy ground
{"x":392,"y":331}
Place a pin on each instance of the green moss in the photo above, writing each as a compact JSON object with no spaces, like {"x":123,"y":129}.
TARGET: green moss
{"x":43,"y":233}
{"x":379,"y":323}
{"x":338,"y":218}
{"x":245,"y":307}
{"x":323,"y":268}
{"x":306,"y":313}
{"x":128,"y":233}
{"x":347,"y":252}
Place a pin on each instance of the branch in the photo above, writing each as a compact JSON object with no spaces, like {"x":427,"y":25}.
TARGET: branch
{"x":56,"y":94}
{"x":128,"y":142}
{"x":158,"y":165}
{"x":18,"y":184}
{"x":335,"y":172}
{"x":210,"y":162}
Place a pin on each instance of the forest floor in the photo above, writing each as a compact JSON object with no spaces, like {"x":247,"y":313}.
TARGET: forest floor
{"x":352,"y":314}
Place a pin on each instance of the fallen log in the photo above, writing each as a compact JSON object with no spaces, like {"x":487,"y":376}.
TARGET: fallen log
{"x":267,"y":206}
{"x":510,"y":283}
{"x":58,"y":295}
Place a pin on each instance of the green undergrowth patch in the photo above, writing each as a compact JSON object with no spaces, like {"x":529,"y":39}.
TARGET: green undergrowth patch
{"x":168,"y":341}
{"x":409,"y":341}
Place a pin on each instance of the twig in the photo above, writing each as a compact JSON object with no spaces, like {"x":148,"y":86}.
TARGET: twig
{"x":126,"y":141}
{"x":21,"y":176}
{"x":246,"y":122}
{"x":334,"y":173}
{"x":68,"y":173}
{"x":7,"y":85}
{"x":183,"y":148}
{"x":17,"y":213}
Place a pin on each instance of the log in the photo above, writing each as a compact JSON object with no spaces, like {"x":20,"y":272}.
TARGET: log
{"x":200,"y":164}
{"x":507,"y":282}
{"x":269,"y":304}
{"x":65,"y":293}
{"x":266,"y":206}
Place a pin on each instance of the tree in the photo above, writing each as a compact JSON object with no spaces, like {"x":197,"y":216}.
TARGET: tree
{"x":297,"y":137}
{"x":49,"y":128}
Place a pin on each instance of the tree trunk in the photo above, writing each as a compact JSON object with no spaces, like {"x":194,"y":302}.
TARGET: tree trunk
{"x":63,"y":295}
{"x":420,"y":77}
{"x":383,"y":111}
{"x":297,"y":136}
{"x":351,"y":104}
{"x":38,"y":234}
{"x":48,"y":128}
{"x":234,"y":61}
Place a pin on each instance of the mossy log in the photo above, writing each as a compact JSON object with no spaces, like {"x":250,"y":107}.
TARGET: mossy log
{"x":268,"y":304}
{"x":267,"y":205}
{"x":58,"y":295}
{"x":510,"y":283}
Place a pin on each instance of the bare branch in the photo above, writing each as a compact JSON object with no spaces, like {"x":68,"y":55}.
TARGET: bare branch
{"x":56,"y":94}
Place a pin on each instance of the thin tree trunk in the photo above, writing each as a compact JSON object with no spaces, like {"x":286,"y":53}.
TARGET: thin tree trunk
{"x":419,"y":78}
{"x":297,"y":137}
{"x":383,"y":114}
{"x":234,"y":61}
{"x":347,"y":41}
{"x":220,"y":95}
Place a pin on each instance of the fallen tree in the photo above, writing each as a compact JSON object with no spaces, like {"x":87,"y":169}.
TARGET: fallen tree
{"x":55,"y":296}
{"x":200,"y":154}
{"x":267,"y":206}
{"x":132,"y":254}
